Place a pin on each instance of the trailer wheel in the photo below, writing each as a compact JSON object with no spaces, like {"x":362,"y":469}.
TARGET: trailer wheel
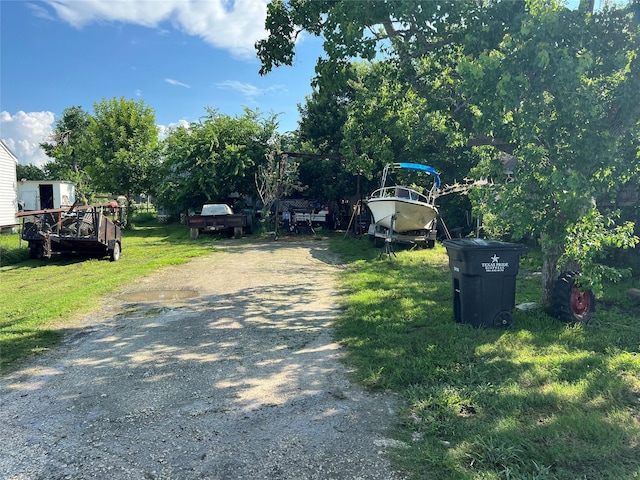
{"x":36,"y":253}
{"x":114,"y":253}
{"x":503,"y":319}
{"x":572,"y":304}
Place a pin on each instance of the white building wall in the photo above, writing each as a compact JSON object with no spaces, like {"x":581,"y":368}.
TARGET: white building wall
{"x":8,"y":186}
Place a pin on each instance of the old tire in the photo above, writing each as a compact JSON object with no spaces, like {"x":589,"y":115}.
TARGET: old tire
{"x":114,"y":253}
{"x":572,"y":304}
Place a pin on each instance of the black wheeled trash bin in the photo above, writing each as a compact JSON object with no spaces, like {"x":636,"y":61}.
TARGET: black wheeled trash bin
{"x":484,"y":280}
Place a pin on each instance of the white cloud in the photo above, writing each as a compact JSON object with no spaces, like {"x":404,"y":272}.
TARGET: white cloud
{"x":245,"y":89}
{"x":248,"y":90}
{"x":176,"y":83}
{"x":163,"y":130}
{"x":23,"y":133}
{"x":39,"y":11}
{"x":233,"y":26}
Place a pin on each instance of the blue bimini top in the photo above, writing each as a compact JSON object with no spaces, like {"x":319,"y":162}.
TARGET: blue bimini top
{"x":421,"y":168}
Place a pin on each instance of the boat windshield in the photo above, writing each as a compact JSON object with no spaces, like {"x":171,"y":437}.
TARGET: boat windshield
{"x":400,"y":192}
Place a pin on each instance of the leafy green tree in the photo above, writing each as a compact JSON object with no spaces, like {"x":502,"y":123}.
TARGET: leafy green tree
{"x":30,"y":172}
{"x":123,"y":139}
{"x":323,"y":171}
{"x":68,"y":147}
{"x":213,"y":158}
{"x":322,"y":118}
{"x":557,"y":88}
{"x":531,"y":80}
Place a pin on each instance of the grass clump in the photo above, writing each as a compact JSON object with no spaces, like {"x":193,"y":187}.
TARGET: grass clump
{"x":12,"y":250}
{"x":537,"y":400}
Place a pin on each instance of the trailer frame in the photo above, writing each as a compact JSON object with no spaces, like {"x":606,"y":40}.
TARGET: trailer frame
{"x":94,"y":230}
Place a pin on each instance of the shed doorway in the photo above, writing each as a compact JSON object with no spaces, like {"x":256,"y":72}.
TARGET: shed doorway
{"x":46,"y":196}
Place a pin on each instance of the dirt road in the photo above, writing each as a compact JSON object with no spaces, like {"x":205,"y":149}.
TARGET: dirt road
{"x":223,"y":368}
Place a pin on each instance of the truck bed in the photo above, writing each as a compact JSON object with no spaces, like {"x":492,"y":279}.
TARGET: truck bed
{"x":219,"y":223}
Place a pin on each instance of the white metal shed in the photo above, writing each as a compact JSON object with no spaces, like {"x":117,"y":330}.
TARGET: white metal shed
{"x":44,"y":194}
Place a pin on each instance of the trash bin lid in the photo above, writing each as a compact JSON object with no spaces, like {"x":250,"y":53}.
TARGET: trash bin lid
{"x":468,"y":244}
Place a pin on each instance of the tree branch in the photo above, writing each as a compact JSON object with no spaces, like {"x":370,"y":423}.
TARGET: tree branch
{"x":482,"y":140}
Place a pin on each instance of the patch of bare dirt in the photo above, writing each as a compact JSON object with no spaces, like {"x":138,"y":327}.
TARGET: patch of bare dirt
{"x":237,"y":377}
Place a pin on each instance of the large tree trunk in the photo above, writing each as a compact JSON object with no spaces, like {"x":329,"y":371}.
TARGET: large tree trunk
{"x":551,"y":254}
{"x":128,"y":210}
{"x":549,"y":275}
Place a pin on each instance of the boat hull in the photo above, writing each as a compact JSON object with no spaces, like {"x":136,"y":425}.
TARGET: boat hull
{"x":409,"y":214}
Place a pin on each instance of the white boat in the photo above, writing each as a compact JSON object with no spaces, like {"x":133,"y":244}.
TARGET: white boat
{"x":400,"y":208}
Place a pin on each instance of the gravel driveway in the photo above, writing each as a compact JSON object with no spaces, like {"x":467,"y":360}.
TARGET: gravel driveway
{"x":223,"y":368}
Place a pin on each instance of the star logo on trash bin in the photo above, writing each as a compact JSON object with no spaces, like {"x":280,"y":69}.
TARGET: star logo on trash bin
{"x":495,"y":265}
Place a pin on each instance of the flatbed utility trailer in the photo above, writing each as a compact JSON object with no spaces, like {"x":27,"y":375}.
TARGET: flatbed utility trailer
{"x":87,"y":229}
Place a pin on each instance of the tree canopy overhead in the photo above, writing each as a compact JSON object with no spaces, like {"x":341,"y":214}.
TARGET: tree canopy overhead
{"x":551,"y":86}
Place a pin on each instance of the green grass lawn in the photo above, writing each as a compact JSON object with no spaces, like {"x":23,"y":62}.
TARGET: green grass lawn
{"x":537,"y":400}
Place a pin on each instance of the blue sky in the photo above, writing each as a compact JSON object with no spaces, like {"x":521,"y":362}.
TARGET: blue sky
{"x":178,"y":56}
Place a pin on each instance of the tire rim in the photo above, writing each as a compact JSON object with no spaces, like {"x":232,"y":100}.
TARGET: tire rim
{"x":502,"y":319}
{"x":580,"y":303}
